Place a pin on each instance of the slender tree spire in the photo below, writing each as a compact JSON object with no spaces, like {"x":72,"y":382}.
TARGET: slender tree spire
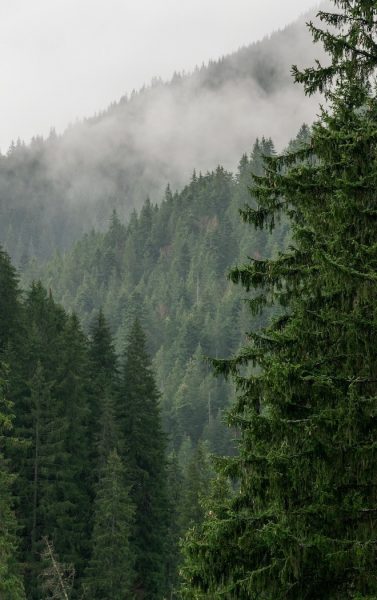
{"x":110,"y":573}
{"x":144,"y":455}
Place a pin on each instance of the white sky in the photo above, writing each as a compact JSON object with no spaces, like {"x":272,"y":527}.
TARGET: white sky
{"x":65,"y":59}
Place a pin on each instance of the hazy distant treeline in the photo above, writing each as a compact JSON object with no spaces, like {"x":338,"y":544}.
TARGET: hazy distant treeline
{"x":55,"y":189}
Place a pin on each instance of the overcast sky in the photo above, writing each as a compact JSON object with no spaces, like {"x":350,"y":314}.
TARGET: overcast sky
{"x":66,"y":59}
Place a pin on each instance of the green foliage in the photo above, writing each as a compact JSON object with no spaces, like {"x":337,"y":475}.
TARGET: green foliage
{"x":175,"y":482}
{"x":110,"y":572}
{"x":67,"y":505}
{"x":9,"y":305}
{"x":73,"y":412}
{"x":167,"y":267}
{"x":302,"y":524}
{"x":143,"y":448}
{"x":92,"y":475}
{"x":195,"y":487}
{"x":48,"y":384}
{"x":11,"y":584}
{"x":103,"y":378}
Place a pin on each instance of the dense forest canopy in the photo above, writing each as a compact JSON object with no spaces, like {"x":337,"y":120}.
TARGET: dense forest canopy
{"x":128,"y":471}
{"x":168,"y":267}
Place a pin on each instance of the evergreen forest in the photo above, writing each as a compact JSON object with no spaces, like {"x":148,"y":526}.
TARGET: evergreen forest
{"x":188,"y":386}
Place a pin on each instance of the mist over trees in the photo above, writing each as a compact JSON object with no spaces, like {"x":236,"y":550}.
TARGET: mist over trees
{"x":165,"y":433}
{"x":54,"y":190}
{"x":168,"y":268}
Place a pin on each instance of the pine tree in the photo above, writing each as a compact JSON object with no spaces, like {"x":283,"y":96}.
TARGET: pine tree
{"x":303,"y":524}
{"x":110,"y":573}
{"x":69,"y":503}
{"x":33,"y":363}
{"x":102,"y":357}
{"x":109,"y":435}
{"x":38,"y":463}
{"x":51,"y":394}
{"x":144,"y":454}
{"x":103,"y":375}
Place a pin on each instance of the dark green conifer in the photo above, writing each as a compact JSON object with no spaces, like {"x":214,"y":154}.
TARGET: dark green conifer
{"x":39,"y":424}
{"x":103,"y":375}
{"x":69,"y":503}
{"x":42,"y":421}
{"x":303,"y":524}
{"x":51,"y":395}
{"x":144,"y":454}
{"x":110,"y":572}
{"x":102,"y":357}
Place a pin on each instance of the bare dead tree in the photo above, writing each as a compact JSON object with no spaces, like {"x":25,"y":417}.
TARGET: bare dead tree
{"x":57,"y":578}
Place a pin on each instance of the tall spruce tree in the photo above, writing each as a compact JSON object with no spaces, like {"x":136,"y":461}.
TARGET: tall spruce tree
{"x":70,"y":499}
{"x":103,"y":375}
{"x":110,"y":573}
{"x":49,"y":378}
{"x":33,"y":367}
{"x":102,"y":361}
{"x":304,"y":521}
{"x":39,"y":467}
{"x":144,"y":454}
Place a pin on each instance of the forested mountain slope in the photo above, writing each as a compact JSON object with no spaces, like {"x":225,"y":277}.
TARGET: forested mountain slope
{"x":55,"y":189}
{"x":168,"y":266}
{"x":95,"y":433}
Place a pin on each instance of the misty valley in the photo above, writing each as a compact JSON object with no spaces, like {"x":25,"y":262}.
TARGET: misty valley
{"x":188,"y":328}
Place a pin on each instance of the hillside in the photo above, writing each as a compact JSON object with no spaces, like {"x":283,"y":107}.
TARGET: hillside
{"x":54,"y":190}
{"x":168,"y":267}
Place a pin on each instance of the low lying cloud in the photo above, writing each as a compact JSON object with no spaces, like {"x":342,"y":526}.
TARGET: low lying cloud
{"x":162,"y":133}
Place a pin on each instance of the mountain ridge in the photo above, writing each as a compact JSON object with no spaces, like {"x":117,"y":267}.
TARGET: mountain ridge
{"x":54,"y":190}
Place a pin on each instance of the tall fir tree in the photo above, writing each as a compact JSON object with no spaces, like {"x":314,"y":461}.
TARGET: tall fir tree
{"x":102,"y":358}
{"x":110,"y":572}
{"x":33,"y":366}
{"x":38,"y":463}
{"x":304,"y":521}
{"x":103,"y":381}
{"x":49,"y":378}
{"x":144,"y":454}
{"x":71,"y":495}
